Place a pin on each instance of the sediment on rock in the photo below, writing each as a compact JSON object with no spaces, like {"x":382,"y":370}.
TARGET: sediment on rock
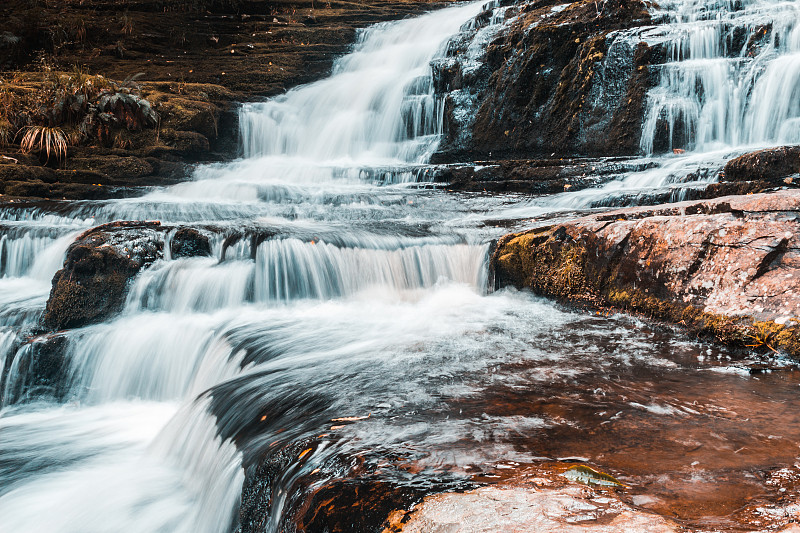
{"x":725,"y":268}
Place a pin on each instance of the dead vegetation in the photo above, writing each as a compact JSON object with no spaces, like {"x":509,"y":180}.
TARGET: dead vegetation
{"x":49,"y":110}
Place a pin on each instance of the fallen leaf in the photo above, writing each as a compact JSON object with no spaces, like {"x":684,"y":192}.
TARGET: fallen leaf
{"x":590,"y":476}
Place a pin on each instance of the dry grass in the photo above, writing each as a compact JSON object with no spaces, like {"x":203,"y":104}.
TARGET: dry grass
{"x":6,"y":132}
{"x":50,"y":140}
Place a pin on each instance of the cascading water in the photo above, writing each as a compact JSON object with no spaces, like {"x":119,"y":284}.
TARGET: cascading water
{"x":732,"y":76}
{"x":730,"y":83}
{"x":341,"y":324}
{"x":139,"y":384}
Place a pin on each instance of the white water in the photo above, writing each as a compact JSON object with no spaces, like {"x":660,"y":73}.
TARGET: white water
{"x":136,"y":448}
{"x":732,"y":76}
{"x":367,"y":297}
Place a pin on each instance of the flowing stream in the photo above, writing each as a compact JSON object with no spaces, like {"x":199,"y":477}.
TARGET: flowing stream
{"x":359,"y":341}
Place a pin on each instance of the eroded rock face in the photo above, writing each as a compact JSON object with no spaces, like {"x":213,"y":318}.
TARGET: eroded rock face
{"x":563,"y":78}
{"x":492,"y":509}
{"x":726,"y":267}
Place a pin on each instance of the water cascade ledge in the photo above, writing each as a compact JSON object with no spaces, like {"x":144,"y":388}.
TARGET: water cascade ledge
{"x":725,"y":268}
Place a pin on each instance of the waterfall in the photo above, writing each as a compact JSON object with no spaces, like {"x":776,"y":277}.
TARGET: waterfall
{"x":732,"y":75}
{"x":378,"y":106}
{"x":118,"y":423}
{"x":343,"y":309}
{"x":288,"y":269}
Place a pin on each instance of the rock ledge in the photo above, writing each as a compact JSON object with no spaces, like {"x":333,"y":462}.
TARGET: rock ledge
{"x":725,"y":268}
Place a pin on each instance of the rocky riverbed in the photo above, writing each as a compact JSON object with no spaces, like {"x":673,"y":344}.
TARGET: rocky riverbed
{"x":535,"y":257}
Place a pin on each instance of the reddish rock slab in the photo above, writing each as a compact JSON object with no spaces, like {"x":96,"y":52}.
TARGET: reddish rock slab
{"x":771,"y":165}
{"x":516,"y":509}
{"x":727,"y":267}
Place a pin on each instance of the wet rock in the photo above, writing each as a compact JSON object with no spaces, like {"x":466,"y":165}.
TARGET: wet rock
{"x":777,"y":166}
{"x":492,"y":509}
{"x":563,"y":79}
{"x":188,"y":242}
{"x":313,"y":501}
{"x":356,"y":505}
{"x":534,"y":176}
{"x":39,"y":368}
{"x":101,"y":264}
{"x":725,"y":268}
{"x":93,"y":283}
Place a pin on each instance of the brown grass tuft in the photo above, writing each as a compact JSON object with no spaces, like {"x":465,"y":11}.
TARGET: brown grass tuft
{"x":50,"y":140}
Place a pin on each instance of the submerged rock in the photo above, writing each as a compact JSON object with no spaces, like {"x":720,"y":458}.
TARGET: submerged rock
{"x":492,"y":509}
{"x":725,"y":268}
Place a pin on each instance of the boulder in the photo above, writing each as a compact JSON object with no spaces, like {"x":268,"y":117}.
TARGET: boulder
{"x":774,"y":165}
{"x":42,"y":370}
{"x":93,"y":283}
{"x":725,"y":268}
{"x":102,"y":262}
{"x":188,"y":242}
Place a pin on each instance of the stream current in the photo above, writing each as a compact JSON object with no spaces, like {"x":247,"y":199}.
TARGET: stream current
{"x":361,"y":341}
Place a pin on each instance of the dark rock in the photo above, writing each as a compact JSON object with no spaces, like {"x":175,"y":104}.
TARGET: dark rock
{"x":41,"y":366}
{"x":98,"y":268}
{"x":534,"y":176}
{"x":360,"y":503}
{"x":114,"y":167}
{"x":188,"y":242}
{"x":563,"y":82}
{"x":102,"y":262}
{"x":773,"y":165}
{"x":188,"y":144}
{"x":354,"y":505}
